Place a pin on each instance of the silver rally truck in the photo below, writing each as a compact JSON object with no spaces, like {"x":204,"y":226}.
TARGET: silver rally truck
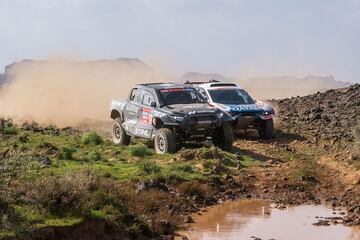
{"x":169,"y":115}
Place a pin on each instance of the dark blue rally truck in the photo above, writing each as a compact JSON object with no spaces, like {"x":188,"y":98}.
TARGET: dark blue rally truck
{"x":248,"y":114}
{"x":169,"y":115}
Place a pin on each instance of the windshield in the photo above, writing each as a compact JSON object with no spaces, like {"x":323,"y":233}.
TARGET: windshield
{"x":180,"y":96}
{"x":231,"y":96}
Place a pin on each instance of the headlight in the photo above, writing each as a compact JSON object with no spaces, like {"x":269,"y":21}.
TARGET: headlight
{"x":177,"y":117}
{"x":267,"y":113}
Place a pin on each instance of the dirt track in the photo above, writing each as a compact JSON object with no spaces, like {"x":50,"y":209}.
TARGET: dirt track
{"x":298,"y":172}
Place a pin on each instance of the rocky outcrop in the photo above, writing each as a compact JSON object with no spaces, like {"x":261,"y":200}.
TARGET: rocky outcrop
{"x":273,"y":87}
{"x":127,"y":64}
{"x":333,"y":115}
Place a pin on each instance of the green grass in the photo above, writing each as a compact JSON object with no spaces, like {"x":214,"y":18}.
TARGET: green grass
{"x":76,"y":152}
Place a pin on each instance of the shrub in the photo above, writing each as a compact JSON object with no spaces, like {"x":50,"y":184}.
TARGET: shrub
{"x":140,"y":151}
{"x":94,"y":156}
{"x":194,"y":188}
{"x":91,"y":138}
{"x":187,"y":154}
{"x":62,"y":194}
{"x":9,"y":129}
{"x":149,"y":167}
{"x":67,"y":152}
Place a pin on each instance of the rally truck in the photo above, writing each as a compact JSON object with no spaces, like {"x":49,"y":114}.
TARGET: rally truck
{"x":247,"y":112}
{"x":169,"y":115}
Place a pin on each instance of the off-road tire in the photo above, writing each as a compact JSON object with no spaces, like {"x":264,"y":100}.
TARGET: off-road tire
{"x":225,"y":137}
{"x":165,"y":141}
{"x":266,"y":129}
{"x":119,"y":134}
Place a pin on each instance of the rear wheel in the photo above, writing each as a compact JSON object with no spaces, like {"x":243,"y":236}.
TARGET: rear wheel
{"x":266,"y":129}
{"x":165,"y":141}
{"x":225,"y":138}
{"x":118,"y":133}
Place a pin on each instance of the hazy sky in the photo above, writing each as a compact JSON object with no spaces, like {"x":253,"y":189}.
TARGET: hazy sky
{"x":231,"y":37}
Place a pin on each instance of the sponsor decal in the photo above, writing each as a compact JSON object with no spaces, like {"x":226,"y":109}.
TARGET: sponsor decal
{"x":201,"y":111}
{"x":147,"y":116}
{"x":158,"y":114}
{"x":240,"y":108}
{"x":142,"y":132}
{"x":132,"y":108}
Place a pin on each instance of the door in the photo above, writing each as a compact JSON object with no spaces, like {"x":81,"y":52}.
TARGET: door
{"x":132,"y":110}
{"x":144,"y":126}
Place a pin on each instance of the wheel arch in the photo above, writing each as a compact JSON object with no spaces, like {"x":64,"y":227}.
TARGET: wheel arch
{"x":115,"y":114}
{"x":157,"y":123}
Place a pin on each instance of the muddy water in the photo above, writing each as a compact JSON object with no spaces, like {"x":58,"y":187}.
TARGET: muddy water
{"x":252,"y":219}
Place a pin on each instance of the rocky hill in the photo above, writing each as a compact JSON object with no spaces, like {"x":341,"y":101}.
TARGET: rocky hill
{"x":202,"y":77}
{"x":333,"y":115}
{"x":111,"y":65}
{"x":274,"y":87}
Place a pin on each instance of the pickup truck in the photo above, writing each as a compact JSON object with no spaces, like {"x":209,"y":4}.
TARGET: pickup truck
{"x":169,"y":114}
{"x":247,"y":112}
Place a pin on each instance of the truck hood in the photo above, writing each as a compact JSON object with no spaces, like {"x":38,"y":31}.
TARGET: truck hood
{"x":191,"y":109}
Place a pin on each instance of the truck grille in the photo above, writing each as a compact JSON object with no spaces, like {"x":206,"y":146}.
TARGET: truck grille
{"x":244,"y":114}
{"x":202,"y":120}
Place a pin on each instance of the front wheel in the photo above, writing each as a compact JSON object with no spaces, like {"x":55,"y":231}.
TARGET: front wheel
{"x":225,"y":138}
{"x":165,"y":141}
{"x":266,"y":129}
{"x":118,"y":133}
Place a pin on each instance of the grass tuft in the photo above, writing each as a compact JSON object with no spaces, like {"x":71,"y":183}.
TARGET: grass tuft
{"x":140,"y":151}
{"x":94,"y":155}
{"x":66,"y":153}
{"x":149,"y":167}
{"x":91,"y":138}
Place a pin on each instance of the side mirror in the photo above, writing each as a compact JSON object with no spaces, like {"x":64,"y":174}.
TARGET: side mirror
{"x":153,"y":104}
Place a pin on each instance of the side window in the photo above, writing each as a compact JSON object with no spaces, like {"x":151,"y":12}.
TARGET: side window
{"x":133,"y":94}
{"x":138,"y":96}
{"x":148,"y":99}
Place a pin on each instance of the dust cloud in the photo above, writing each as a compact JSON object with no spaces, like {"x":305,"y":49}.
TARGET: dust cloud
{"x":73,"y":93}
{"x":67,"y":93}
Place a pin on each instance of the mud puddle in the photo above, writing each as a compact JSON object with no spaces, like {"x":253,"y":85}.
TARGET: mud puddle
{"x":258,"y":219}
